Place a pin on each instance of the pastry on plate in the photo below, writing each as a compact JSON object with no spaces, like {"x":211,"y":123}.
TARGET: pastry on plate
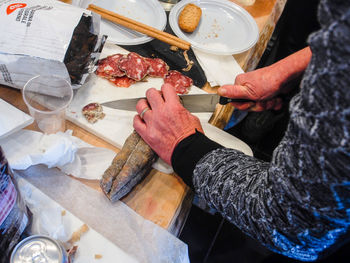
{"x":189,"y":18}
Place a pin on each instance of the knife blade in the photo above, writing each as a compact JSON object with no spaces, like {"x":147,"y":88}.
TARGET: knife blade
{"x":192,"y":102}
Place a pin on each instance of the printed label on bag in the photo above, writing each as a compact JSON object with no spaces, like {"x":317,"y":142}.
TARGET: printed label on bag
{"x":37,"y":28}
{"x":13,"y":7}
{"x":5,"y":74}
{"x":26,"y":15}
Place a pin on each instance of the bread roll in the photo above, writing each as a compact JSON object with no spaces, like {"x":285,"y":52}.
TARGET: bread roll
{"x":189,"y":17}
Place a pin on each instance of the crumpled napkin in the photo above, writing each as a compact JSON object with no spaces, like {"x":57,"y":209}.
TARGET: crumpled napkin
{"x":219,"y":70}
{"x":26,"y":148}
{"x":70,"y":154}
{"x":62,"y":150}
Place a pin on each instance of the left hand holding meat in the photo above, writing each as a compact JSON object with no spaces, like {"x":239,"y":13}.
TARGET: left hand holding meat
{"x":165,"y":122}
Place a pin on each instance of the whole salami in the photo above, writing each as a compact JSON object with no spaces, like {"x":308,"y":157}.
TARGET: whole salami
{"x":14,"y":215}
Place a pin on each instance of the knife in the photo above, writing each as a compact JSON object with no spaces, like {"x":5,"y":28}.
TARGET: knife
{"x":192,"y":102}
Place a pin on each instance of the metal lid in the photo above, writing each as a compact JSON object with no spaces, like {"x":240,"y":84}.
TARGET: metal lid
{"x":38,"y":248}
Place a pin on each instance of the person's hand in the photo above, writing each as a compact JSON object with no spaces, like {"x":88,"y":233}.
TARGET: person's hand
{"x":261,"y":85}
{"x":166,"y":122}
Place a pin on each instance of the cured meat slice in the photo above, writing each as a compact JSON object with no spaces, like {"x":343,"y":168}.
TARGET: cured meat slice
{"x":180,"y":82}
{"x":104,"y":75}
{"x":157,"y":67}
{"x":128,"y":168}
{"x":125,"y":70}
{"x":134,"y":65}
{"x":109,"y":67}
{"x":93,"y":112}
{"x":123,"y":82}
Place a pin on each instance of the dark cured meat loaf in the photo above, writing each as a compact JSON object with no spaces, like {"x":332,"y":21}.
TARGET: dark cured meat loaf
{"x":180,"y":82}
{"x":134,"y":65}
{"x":129,"y":167}
{"x":109,"y":67}
{"x":134,"y":170}
{"x":157,"y":67}
{"x":118,"y":162}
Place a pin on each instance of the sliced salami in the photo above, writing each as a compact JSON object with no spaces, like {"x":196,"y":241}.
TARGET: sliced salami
{"x":123,"y":82}
{"x":109,"y":67}
{"x":134,"y":65}
{"x":180,"y":82}
{"x":157,"y":67}
{"x":93,"y":112}
{"x":104,"y":75}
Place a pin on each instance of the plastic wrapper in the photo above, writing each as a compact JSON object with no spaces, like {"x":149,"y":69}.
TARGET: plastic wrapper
{"x":47,"y":37}
{"x":14,"y":215}
{"x":118,"y":223}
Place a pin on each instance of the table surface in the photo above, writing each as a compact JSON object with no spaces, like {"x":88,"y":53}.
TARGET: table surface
{"x":164,"y":198}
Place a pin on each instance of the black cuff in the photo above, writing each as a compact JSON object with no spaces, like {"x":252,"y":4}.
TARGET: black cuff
{"x":188,"y":152}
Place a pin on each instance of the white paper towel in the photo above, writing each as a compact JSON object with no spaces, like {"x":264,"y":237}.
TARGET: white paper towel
{"x":25,"y":148}
{"x":72,"y":155}
{"x":219,"y":70}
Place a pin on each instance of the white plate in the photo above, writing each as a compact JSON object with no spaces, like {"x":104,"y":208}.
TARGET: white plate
{"x":224,"y":29}
{"x":149,"y":12}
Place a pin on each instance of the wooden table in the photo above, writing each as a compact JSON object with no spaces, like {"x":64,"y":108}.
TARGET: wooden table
{"x":162,"y":198}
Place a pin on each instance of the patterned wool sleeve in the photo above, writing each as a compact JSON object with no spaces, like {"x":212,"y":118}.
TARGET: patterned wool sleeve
{"x":297,"y":205}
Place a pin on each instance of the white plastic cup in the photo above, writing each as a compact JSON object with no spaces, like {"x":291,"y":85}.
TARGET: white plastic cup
{"x":246,"y":2}
{"x":168,"y":4}
{"x":47,"y":98}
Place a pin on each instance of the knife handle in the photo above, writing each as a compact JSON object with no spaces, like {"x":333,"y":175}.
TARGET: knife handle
{"x":225,"y":100}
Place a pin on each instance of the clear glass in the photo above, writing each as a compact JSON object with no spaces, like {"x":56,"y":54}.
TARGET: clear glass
{"x":47,"y":98}
{"x":168,"y":4}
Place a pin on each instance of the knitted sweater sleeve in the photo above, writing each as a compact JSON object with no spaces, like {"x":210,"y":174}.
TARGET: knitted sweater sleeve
{"x":298,"y":204}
